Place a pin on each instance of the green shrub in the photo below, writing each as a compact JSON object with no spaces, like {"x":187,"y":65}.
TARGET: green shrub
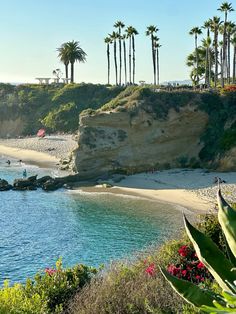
{"x":48,"y":292}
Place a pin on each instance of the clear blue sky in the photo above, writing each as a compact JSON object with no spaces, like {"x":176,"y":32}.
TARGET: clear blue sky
{"x":32,"y":30}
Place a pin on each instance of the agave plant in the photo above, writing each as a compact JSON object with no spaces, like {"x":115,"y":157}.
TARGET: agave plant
{"x":222,"y":268}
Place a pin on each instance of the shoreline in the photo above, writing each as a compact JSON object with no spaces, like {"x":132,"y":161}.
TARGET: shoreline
{"x":28,"y":156}
{"x":191,"y":189}
{"x":187,"y":200}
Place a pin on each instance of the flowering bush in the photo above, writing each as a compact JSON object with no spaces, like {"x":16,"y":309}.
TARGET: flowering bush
{"x":229,"y":88}
{"x":48,"y":292}
{"x":189,"y":267}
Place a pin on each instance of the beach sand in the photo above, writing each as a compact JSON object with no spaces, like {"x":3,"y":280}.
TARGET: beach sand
{"x":190,"y":189}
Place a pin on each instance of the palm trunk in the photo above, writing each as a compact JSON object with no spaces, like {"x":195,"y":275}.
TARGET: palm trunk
{"x":115,"y":60}
{"x":66,"y":70}
{"x":222,"y":66}
{"x":196,"y":50}
{"x":125,"y":63}
{"x":120,"y":56}
{"x":216,"y":58}
{"x":209,"y":70}
{"x":224,"y":52}
{"x":72,"y":72}
{"x":158,"y":71}
{"x":228,"y":63}
{"x":108,"y":64}
{"x":207,"y":67}
{"x":130,"y":60}
{"x":153,"y":60}
{"x":133,"y":46}
{"x":234,"y":65}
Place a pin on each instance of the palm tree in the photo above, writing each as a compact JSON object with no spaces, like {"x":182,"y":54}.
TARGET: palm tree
{"x":206,"y":43}
{"x":156,"y":48}
{"x":74,"y":53}
{"x":230,"y":30}
{"x":225,"y":7}
{"x":233,"y":42}
{"x":134,"y":32}
{"x":64,"y":57}
{"x":151,"y":31}
{"x":114,"y":36}
{"x":108,"y":41}
{"x":125,"y":63}
{"x":196,"y":31}
{"x":129,"y":36}
{"x":215,"y":24}
{"x":119,"y":25}
{"x":207,"y":26}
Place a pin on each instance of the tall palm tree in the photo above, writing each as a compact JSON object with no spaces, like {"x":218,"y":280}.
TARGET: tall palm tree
{"x":119,"y":25}
{"x":156,"y":48}
{"x":129,"y":36}
{"x":206,"y":43}
{"x":114,"y":36}
{"x":230,"y":30}
{"x":151,"y":31}
{"x":64,"y":57}
{"x":225,"y":7}
{"x":108,"y":41}
{"x":134,"y":32}
{"x":196,"y":31}
{"x":124,"y":51}
{"x":215,"y":25}
{"x":233,"y":42}
{"x":74,"y":53}
{"x":207,"y":26}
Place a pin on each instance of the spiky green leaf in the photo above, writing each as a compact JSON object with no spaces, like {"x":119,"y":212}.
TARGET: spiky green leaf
{"x":209,"y":254}
{"x":227,"y":220}
{"x":190,"y":292}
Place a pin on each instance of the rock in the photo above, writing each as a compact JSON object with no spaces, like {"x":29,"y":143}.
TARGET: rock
{"x":52,"y":185}
{"x":24,"y":184}
{"x":32,"y":178}
{"x":42,"y":180}
{"x":4,"y":185}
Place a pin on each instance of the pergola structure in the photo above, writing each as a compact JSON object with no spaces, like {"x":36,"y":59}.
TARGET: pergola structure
{"x":56,"y":80}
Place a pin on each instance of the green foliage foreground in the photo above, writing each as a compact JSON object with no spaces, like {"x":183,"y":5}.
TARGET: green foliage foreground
{"x":48,"y":292}
{"x":222,"y":268}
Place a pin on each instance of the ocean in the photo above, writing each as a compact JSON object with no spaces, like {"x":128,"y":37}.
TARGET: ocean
{"x":37,"y":227}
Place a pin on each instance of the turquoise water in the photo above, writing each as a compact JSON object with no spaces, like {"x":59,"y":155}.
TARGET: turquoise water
{"x":37,"y":227}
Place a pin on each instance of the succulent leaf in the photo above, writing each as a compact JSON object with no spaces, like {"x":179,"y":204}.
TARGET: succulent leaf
{"x":189,"y":291}
{"x":209,"y":254}
{"x":227,"y":220}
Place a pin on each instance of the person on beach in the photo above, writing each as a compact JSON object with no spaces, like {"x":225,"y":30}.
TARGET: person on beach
{"x":8,"y":162}
{"x":24,"y":173}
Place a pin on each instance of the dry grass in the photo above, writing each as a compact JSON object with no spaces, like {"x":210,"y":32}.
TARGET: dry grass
{"x":125,"y":288}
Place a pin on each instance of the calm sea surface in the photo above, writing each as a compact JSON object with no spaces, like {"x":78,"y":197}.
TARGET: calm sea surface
{"x":36,"y":228}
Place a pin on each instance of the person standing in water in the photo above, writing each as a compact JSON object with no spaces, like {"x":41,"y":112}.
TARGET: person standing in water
{"x":24,"y":173}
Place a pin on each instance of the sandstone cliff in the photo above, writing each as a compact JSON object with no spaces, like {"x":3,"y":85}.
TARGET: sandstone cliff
{"x":142,"y":129}
{"x":113,"y":141}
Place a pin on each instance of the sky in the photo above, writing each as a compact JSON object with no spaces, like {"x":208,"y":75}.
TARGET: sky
{"x":31,"y":31}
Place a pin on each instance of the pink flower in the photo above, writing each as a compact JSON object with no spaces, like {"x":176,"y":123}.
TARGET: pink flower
{"x":184,"y":272}
{"x":184,"y":250}
{"x":200,"y":265}
{"x":150,"y":270}
{"x":173,"y":270}
{"x":50,"y":271}
{"x":198,"y":277}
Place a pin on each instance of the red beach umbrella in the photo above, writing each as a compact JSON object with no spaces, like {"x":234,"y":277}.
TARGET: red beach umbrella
{"x":41,"y":133}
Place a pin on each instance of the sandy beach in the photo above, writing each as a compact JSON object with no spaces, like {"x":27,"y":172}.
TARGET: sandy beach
{"x":45,"y":152}
{"x":191,"y":189}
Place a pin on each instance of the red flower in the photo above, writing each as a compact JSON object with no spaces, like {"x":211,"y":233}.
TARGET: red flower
{"x":184,"y":272}
{"x":198,"y":277}
{"x":200,"y":265}
{"x":184,"y":250}
{"x":173,"y":270}
{"x":150,"y":270}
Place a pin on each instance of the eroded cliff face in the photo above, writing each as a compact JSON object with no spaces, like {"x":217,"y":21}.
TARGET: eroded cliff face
{"x":113,"y":141}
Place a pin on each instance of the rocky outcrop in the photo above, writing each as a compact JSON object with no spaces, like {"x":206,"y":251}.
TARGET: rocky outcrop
{"x":124,"y":140}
